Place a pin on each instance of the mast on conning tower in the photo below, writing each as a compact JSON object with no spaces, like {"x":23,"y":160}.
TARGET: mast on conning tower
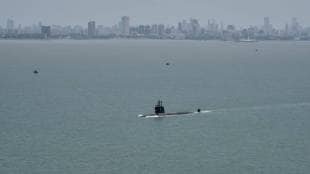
{"x":159,"y":108}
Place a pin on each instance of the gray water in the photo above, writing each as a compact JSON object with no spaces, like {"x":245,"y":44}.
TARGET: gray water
{"x":79,"y":114}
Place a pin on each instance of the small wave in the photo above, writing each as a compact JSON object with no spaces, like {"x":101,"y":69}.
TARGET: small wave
{"x":264,"y":107}
{"x":203,"y":112}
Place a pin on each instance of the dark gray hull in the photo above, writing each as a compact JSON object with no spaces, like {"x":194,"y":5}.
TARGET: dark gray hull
{"x":166,"y":114}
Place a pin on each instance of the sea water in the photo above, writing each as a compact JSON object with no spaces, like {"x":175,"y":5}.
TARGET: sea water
{"x":79,"y":113}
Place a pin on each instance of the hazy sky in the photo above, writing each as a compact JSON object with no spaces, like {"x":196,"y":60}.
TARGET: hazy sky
{"x":108,"y":12}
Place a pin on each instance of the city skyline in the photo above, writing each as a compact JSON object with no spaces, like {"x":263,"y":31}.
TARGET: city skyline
{"x":203,"y":22}
{"x":186,"y":29}
{"x":262,"y":22}
{"x":240,"y":12}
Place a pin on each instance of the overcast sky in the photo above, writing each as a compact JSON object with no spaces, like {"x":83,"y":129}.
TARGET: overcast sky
{"x":108,"y":12}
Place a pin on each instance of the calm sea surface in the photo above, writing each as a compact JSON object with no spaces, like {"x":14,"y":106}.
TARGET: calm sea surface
{"x":79,"y":114}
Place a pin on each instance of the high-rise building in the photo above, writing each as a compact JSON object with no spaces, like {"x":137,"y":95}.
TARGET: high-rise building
{"x":195,"y":27}
{"x":19,"y":29}
{"x":161,"y":29}
{"x":185,"y":26}
{"x":1,"y":30}
{"x":212,"y":25}
{"x":77,"y":29}
{"x":180,"y":28}
{"x":154,"y":29}
{"x":141,"y":29}
{"x":286,"y":29}
{"x":295,"y":27}
{"x":46,"y":31}
{"x":266,"y":21}
{"x":267,"y":28}
{"x":91,"y":29}
{"x":222,"y":26}
{"x":124,"y":25}
{"x":10,"y":26}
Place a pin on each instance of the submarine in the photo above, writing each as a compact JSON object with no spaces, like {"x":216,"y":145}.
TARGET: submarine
{"x":159,"y":111}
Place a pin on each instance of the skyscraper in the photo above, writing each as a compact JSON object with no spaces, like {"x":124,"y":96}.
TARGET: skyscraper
{"x":267,"y":28}
{"x":124,"y":25}
{"x":286,"y":29}
{"x":10,"y":26}
{"x":295,"y":27}
{"x":195,"y":27}
{"x":91,"y":29}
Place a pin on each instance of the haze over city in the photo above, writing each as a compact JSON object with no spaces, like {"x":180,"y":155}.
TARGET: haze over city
{"x":106,"y":12}
{"x":154,"y":86}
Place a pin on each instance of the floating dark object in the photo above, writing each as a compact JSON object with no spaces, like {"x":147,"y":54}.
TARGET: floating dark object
{"x":198,"y":110}
{"x":168,"y":63}
{"x":36,"y":72}
{"x":256,"y":50}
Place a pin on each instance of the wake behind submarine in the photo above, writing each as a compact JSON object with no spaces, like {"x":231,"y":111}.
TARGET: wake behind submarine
{"x":159,"y":111}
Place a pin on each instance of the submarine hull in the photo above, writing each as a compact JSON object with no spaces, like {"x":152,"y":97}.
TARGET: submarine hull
{"x":165,"y":114}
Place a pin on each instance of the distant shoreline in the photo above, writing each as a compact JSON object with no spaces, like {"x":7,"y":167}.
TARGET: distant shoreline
{"x":137,"y":39}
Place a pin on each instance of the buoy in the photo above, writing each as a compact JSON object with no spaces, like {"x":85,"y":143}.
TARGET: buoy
{"x":168,"y":63}
{"x":198,"y":110}
{"x":35,"y":72}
